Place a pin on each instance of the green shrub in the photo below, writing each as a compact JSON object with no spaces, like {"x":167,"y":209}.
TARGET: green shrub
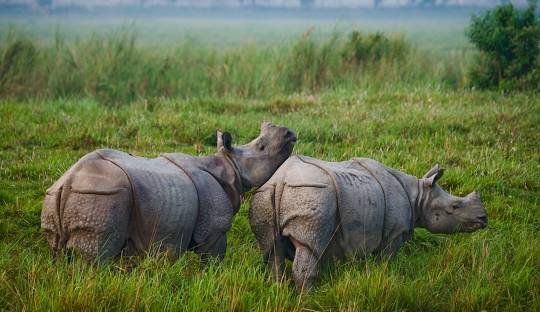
{"x":310,"y":65}
{"x":18,"y":59}
{"x":508,"y":40}
{"x":374,"y":47}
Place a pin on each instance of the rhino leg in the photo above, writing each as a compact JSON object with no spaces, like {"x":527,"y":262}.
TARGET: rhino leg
{"x":309,"y":216}
{"x":274,"y":257}
{"x":392,"y":247}
{"x":304,"y":267}
{"x":214,"y":247}
{"x":101,"y":233}
{"x":262,"y":221}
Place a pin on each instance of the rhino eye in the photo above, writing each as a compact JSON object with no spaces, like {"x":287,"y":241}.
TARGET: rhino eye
{"x":261,"y":147}
{"x":455,"y":206}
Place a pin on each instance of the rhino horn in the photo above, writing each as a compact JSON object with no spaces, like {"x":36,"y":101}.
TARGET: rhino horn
{"x":474,"y":195}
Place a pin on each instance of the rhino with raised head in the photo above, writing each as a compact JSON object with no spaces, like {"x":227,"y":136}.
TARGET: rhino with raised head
{"x":312,"y":211}
{"x":111,"y":203}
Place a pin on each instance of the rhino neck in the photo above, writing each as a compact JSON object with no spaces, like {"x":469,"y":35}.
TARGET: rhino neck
{"x":415,"y":194}
{"x":420,"y":203}
{"x":225,"y":172}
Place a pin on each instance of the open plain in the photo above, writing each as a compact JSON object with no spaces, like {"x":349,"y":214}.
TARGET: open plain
{"x":405,"y":110}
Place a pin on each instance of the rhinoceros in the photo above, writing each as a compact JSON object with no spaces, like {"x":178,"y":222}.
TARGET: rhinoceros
{"x":312,"y":211}
{"x":111,"y":203}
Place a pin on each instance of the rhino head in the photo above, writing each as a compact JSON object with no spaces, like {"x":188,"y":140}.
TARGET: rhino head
{"x":258,"y":160}
{"x":445,"y":213}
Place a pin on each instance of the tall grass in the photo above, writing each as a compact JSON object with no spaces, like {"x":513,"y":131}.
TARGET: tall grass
{"x":115,"y":70}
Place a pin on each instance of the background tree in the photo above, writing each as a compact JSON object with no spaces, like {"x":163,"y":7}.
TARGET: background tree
{"x":508,"y":39}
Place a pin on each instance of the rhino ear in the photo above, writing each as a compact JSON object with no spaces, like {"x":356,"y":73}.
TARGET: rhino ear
{"x":433,"y":175}
{"x":432,"y":171}
{"x":224,"y":141}
{"x":265,"y":124}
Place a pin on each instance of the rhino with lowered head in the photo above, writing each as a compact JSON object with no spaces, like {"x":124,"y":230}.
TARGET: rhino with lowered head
{"x":312,"y":211}
{"x":111,"y":203}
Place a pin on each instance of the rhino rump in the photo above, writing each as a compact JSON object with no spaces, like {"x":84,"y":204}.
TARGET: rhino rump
{"x":289,"y":209}
{"x":88,"y":209}
{"x":110,"y":200}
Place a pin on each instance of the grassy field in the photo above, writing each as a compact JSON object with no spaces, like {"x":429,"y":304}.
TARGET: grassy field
{"x":486,"y":141}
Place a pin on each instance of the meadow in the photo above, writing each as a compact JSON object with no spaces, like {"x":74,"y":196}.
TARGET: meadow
{"x":407,"y":109}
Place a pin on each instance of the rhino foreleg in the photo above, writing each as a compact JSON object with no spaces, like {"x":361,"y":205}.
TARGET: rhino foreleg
{"x":214,"y":247}
{"x":392,"y":247}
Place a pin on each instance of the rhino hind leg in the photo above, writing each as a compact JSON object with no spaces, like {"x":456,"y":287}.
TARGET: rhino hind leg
{"x":97,"y":225}
{"x":274,"y":257}
{"x":304,"y":267}
{"x":271,"y":243}
{"x":310,"y":224}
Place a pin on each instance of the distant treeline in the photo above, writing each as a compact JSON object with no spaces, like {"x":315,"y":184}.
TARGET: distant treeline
{"x":45,"y":6}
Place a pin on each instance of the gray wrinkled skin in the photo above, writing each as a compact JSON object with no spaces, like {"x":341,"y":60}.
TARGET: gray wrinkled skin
{"x":111,"y":203}
{"x":312,"y":211}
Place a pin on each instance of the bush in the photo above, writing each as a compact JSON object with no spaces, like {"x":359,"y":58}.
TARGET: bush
{"x":374,"y":47}
{"x":311,"y":65}
{"x":508,"y":40}
{"x":17,"y":59}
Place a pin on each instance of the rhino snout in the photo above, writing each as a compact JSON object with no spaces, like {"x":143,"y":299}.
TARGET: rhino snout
{"x":483,"y":220}
{"x":290,"y":136}
{"x":477,"y":223}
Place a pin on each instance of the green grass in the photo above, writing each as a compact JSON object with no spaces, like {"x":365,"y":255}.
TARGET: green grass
{"x":406,"y":114}
{"x":487,"y":142}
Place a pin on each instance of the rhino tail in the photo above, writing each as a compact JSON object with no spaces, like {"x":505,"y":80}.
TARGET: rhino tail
{"x":265,"y":225}
{"x":51,"y":220}
{"x":262,"y":216}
